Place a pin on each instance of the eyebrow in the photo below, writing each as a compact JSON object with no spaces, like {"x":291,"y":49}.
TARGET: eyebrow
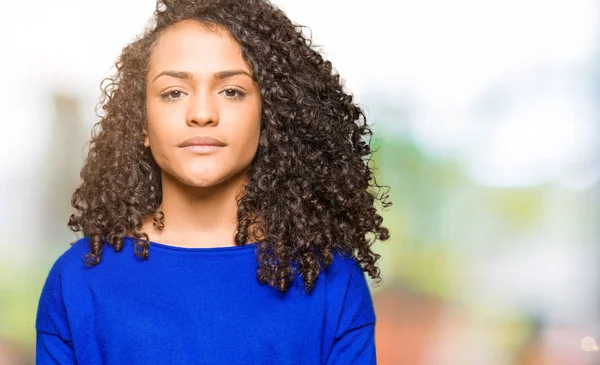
{"x":184,"y":75}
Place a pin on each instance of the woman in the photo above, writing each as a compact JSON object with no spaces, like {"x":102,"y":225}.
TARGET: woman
{"x":224,"y":204}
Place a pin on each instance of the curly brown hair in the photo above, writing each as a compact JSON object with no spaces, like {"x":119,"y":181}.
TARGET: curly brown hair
{"x":310,"y":190}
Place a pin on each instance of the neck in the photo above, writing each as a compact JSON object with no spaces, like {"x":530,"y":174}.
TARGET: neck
{"x":198,"y":217}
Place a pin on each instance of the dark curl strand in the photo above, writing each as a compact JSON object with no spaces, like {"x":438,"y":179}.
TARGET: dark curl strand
{"x":310,"y":188}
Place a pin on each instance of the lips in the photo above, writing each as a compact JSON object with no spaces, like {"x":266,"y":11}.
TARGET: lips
{"x":202,"y":141}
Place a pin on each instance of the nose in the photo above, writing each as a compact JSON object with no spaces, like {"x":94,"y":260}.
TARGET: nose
{"x":202,"y":109}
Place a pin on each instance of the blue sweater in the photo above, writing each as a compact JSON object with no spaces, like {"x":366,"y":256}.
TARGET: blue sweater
{"x":198,"y":306}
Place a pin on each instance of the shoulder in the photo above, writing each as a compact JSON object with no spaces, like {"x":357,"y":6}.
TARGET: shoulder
{"x":51,"y":314}
{"x":72,"y":257}
{"x":70,"y":265}
{"x":345,"y":280}
{"x":65,"y":268}
{"x":349,"y":299}
{"x":344,"y":269}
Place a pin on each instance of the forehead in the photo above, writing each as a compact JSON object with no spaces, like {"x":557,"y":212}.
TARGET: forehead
{"x":194,"y":47}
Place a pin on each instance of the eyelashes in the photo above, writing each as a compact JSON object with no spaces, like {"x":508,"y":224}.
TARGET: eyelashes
{"x":168,"y":94}
{"x":238,"y":93}
{"x":233,"y":93}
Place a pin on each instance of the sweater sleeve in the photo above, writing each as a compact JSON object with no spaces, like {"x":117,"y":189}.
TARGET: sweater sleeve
{"x":354,"y":342}
{"x":356,"y":346}
{"x":53,"y":340}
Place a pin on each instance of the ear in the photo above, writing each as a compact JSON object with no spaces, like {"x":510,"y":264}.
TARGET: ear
{"x":146,"y":139}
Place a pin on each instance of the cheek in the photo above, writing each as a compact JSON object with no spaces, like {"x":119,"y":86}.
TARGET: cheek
{"x":155,"y":135}
{"x":243,"y":127}
{"x":160,"y":124}
{"x":253,"y":132}
{"x":250,"y":137}
{"x":160,"y":154}
{"x":160,"y":140}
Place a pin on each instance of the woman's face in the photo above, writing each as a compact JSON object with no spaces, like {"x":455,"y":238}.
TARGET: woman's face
{"x":198,"y":85}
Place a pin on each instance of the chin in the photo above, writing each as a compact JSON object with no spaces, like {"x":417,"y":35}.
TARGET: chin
{"x":201,"y":181}
{"x":199,"y":175}
{"x":205,"y":178}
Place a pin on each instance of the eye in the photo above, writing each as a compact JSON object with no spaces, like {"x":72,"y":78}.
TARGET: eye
{"x":171,"y":94}
{"x":234,"y":93}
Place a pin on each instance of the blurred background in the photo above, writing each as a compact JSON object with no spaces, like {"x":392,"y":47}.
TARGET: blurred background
{"x":486,"y":119}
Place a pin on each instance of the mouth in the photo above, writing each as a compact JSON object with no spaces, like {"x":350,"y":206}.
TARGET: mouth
{"x":202,"y":148}
{"x":202,"y":141}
